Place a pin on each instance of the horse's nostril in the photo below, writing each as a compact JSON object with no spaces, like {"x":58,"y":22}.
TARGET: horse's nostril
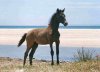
{"x":65,"y":24}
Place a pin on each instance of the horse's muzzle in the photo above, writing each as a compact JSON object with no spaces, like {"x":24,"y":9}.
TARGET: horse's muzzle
{"x":66,"y":23}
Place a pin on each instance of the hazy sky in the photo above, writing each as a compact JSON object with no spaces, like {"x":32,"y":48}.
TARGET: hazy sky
{"x":38,"y":12}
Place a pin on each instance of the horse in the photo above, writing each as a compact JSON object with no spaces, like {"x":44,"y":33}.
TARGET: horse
{"x":44,"y":36}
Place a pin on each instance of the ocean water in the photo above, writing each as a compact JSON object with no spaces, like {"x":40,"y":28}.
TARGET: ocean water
{"x":63,"y":27}
{"x":43,"y":52}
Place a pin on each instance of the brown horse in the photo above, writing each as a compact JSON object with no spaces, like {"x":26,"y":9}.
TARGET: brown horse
{"x":44,"y":36}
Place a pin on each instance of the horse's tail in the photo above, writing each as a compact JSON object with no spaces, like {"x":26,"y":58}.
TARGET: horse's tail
{"x":22,"y":39}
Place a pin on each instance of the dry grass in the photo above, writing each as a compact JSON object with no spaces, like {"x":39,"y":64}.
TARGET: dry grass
{"x":15,"y":65}
{"x":84,"y":55}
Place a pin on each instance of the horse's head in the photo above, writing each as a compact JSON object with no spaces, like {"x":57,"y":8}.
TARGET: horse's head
{"x":61,"y":18}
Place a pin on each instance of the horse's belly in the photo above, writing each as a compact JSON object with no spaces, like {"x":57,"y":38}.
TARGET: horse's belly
{"x":42,"y":41}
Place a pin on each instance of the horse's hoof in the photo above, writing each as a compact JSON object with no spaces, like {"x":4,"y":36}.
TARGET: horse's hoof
{"x":52,"y":63}
{"x":23,"y":66}
{"x":31,"y":64}
{"x":57,"y":63}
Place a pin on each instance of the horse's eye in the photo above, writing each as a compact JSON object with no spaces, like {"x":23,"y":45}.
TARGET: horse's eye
{"x":63,"y":15}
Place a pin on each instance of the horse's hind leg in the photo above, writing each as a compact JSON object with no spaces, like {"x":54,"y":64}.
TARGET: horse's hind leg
{"x":32,"y":52}
{"x":25,"y":55}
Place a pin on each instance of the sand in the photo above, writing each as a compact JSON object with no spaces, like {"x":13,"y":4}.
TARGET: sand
{"x":69,"y":37}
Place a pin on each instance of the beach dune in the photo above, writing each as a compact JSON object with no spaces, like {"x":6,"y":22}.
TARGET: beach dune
{"x":69,"y":37}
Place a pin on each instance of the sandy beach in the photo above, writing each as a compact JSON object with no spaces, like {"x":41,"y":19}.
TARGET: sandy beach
{"x":69,"y":37}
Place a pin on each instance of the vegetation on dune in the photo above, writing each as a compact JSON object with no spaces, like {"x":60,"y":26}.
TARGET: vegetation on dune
{"x":85,"y":55}
{"x":16,"y":65}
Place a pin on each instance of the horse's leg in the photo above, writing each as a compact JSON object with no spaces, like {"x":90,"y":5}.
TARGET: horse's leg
{"x":52,"y":53}
{"x":32,"y":52}
{"x":57,"y":50}
{"x":25,"y":55}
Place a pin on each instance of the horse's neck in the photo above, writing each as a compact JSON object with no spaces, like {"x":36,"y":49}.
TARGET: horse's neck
{"x":53,"y":27}
{"x":54,"y":31}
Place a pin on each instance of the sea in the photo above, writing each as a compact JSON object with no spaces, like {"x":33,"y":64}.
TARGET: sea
{"x":43,"y":52}
{"x":62,"y":27}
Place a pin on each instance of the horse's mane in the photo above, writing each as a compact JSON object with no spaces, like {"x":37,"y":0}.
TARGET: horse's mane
{"x":53,"y":17}
{"x":54,"y":25}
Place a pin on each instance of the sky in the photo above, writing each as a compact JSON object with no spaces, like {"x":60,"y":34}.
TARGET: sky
{"x":39,"y":12}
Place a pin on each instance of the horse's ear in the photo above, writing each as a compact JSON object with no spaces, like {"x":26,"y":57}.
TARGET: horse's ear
{"x":57,"y":9}
{"x":63,"y":10}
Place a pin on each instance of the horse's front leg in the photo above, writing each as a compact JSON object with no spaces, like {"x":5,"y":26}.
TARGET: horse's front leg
{"x":57,"y":50}
{"x":52,"y":53}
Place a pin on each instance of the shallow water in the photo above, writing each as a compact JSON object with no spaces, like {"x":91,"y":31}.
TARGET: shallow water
{"x":42,"y":52}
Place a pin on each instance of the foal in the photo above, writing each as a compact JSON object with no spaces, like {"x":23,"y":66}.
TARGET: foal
{"x":44,"y":36}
